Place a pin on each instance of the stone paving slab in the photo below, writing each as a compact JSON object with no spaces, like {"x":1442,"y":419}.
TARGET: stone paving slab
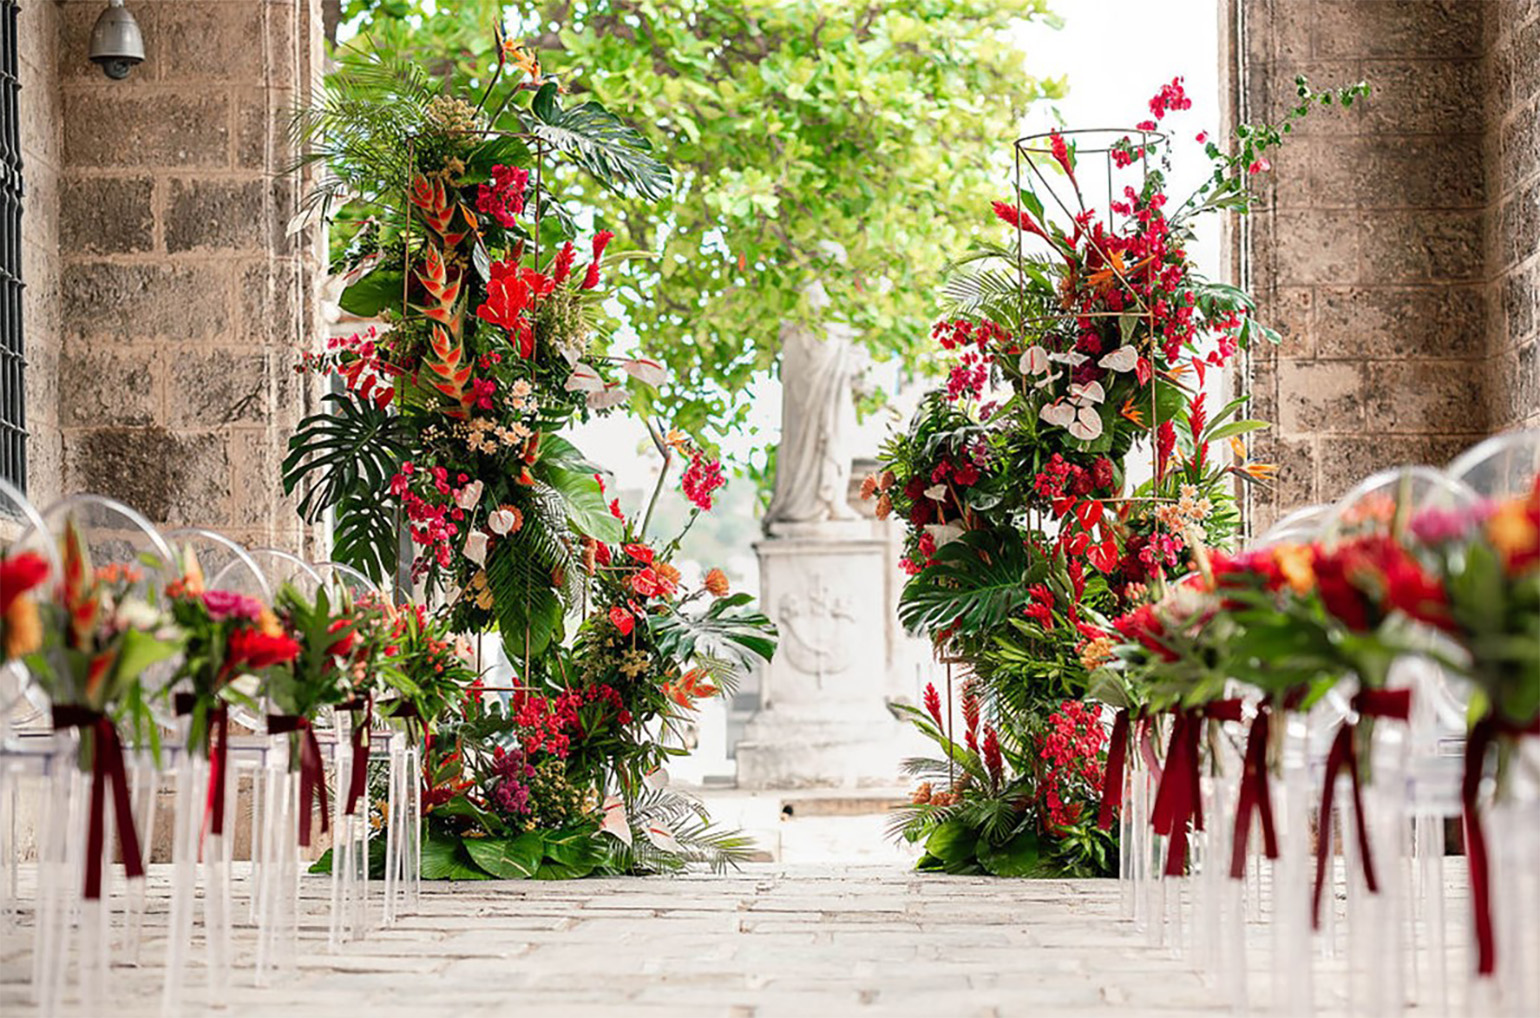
{"x":773,"y":940}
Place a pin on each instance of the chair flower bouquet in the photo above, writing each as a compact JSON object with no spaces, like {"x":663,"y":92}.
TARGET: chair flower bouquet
{"x":104,"y":628}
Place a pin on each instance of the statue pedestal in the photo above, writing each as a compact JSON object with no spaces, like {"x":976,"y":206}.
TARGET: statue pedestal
{"x":823,"y":719}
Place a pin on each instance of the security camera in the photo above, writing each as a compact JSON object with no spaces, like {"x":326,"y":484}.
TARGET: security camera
{"x":116,"y":43}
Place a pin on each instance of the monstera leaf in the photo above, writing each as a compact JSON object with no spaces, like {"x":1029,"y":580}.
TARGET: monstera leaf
{"x":729,"y":632}
{"x":975,"y":583}
{"x":353,"y":450}
{"x":615,"y":153}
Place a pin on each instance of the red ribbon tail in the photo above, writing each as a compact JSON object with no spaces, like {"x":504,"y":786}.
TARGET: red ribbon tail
{"x":1112,"y":779}
{"x":107,"y":768}
{"x":1341,"y":752}
{"x":1361,"y":828}
{"x":312,"y":784}
{"x":218,"y":759}
{"x":1250,"y":798}
{"x":1162,"y":814}
{"x":1476,"y":846}
{"x":359,"y":776}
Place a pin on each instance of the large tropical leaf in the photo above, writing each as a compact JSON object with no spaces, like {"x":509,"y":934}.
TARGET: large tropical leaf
{"x":365,"y":536}
{"x":615,"y":153}
{"x":508,"y":858}
{"x":354,"y":450}
{"x":974,"y":583}
{"x":729,"y":633}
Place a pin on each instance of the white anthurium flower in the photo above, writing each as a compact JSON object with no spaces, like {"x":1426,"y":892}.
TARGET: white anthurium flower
{"x":365,"y":266}
{"x":663,"y":838}
{"x":656,"y":779}
{"x":584,"y":379}
{"x":1087,"y":393}
{"x":1058,"y":413}
{"x":1087,"y":424}
{"x":648,"y":372}
{"x":1034,"y":361}
{"x":1073,"y":358}
{"x":937,"y":492}
{"x":476,"y":547}
{"x":610,"y":396}
{"x":615,"y":821}
{"x":1124,"y":358}
{"x":1048,"y":379}
{"x":501,"y":521}
{"x":943,"y":533}
{"x":469,"y":495}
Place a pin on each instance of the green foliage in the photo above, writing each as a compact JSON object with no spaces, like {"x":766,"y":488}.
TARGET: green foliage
{"x":797,"y":129}
{"x":729,"y":637}
{"x":345,"y":459}
{"x":980,"y":579}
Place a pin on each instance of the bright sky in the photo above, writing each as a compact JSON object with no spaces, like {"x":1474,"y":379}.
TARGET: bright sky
{"x":1115,"y":55}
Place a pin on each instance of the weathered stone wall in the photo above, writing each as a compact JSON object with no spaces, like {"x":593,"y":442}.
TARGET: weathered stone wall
{"x":1368,"y":248}
{"x":181,"y":302}
{"x":41,"y":143}
{"x":1513,"y":229}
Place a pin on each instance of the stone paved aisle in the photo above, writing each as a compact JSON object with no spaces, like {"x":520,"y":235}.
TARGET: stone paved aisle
{"x":772,"y":940}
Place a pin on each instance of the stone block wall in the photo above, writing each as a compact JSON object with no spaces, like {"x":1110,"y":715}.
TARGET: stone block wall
{"x":1513,"y":229}
{"x":180,"y":303}
{"x":1369,"y":246}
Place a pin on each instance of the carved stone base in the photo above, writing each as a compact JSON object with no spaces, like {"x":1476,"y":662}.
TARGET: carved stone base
{"x":823,"y":719}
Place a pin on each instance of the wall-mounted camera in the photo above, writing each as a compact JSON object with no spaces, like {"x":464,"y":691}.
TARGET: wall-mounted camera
{"x":116,"y":43}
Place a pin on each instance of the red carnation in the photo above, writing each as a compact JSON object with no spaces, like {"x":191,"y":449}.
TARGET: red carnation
{"x":254,"y":649}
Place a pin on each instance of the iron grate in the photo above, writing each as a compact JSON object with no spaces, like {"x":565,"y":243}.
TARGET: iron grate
{"x":13,"y":415}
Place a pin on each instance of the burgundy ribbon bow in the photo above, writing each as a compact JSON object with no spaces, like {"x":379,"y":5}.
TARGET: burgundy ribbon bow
{"x":106,"y":767}
{"x":1112,"y":779}
{"x":1369,"y":703}
{"x":1255,"y":797}
{"x":217,"y":750}
{"x":1481,"y":737}
{"x":1179,"y":798}
{"x":312,"y":778}
{"x":358,"y":777}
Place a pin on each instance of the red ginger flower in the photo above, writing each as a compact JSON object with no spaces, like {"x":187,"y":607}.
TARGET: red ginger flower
{"x":601,"y":241}
{"x":933,"y":705}
{"x":1061,"y":154}
{"x":1018,"y":218}
{"x":992,"y":757}
{"x":562,"y":266}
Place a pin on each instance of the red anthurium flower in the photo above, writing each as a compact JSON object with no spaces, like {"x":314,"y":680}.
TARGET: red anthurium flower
{"x":343,"y":646}
{"x":19,"y":574}
{"x":254,"y":649}
{"x":640,"y":552}
{"x":622,"y":620}
{"x":1089,"y":513}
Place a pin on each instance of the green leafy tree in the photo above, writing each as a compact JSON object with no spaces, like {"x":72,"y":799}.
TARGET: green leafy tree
{"x":855,"y":144}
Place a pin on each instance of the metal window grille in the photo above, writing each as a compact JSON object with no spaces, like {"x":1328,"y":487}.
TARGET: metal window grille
{"x":13,"y":418}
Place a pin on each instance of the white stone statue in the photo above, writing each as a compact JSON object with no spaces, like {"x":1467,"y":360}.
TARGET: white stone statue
{"x":812,"y":467}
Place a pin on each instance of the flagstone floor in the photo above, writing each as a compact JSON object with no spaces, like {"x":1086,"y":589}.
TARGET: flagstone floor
{"x":775,"y":939}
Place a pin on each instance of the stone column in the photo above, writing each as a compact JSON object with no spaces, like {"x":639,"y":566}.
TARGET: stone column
{"x":182,"y":301}
{"x":1395,"y":244}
